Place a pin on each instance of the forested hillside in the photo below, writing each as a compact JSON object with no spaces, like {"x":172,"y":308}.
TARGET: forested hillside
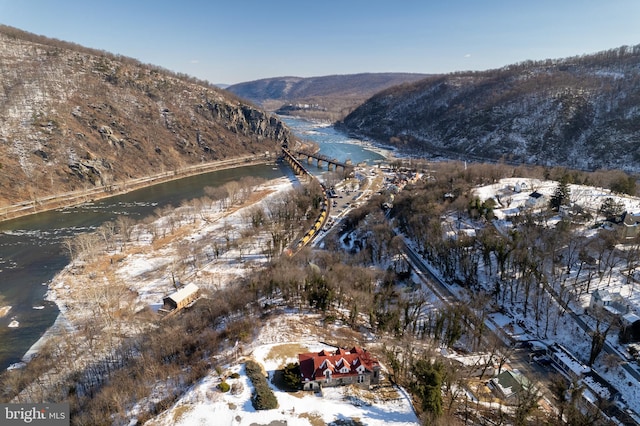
{"x":74,"y":118}
{"x":580,"y":112}
{"x":328,"y":97}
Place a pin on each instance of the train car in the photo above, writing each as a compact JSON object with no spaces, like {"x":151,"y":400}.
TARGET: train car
{"x":324,"y":206}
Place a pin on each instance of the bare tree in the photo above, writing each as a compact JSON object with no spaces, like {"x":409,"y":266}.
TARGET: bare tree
{"x":605,"y":322}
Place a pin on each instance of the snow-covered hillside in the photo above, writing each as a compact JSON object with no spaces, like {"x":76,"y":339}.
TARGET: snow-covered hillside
{"x":577,"y":112}
{"x":574,"y":330}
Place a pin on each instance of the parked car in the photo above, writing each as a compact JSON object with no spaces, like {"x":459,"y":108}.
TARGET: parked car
{"x":536,"y":346}
{"x":542,"y":359}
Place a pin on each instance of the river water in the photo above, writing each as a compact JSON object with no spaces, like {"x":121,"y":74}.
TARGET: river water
{"x":31,"y":251}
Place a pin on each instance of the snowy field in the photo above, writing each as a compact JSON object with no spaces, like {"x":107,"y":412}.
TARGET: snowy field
{"x":510,"y":201}
{"x":204,"y":404}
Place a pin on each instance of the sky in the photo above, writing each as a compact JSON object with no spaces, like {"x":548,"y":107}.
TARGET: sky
{"x":229,"y":41}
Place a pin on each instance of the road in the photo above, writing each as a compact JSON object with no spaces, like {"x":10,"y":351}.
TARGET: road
{"x":518,"y":358}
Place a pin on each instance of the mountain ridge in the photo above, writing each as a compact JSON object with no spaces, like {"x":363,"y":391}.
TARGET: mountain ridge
{"x":328,"y":97}
{"x":75,"y":118}
{"x":580,"y":112}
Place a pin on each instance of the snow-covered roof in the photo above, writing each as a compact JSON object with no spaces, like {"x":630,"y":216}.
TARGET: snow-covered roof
{"x":510,"y":382}
{"x":184,"y":293}
{"x":597,"y":388}
{"x":630,"y":318}
{"x":561,"y":355}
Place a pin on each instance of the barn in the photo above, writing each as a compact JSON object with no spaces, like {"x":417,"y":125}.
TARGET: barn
{"x":181,"y":298}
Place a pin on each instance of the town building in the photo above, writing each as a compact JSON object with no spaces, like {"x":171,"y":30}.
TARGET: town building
{"x":508,"y":384}
{"x":338,"y":368}
{"x":630,"y":225}
{"x":536,"y":200}
{"x":630,"y":328}
{"x":612,"y":302}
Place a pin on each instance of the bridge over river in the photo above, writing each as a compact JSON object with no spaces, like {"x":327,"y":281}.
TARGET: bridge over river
{"x":321,"y":160}
{"x":300,"y":170}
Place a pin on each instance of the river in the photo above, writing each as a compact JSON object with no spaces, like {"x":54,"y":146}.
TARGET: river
{"x":31,"y":251}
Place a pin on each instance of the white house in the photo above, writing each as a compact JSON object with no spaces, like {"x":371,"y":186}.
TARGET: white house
{"x":536,"y":200}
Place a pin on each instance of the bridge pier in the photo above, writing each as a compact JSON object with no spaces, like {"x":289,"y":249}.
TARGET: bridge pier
{"x":321,"y":160}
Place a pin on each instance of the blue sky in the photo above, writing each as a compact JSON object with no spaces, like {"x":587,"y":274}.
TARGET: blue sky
{"x":232,"y":41}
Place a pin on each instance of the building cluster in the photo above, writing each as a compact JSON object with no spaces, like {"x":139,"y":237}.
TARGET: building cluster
{"x":620,"y":307}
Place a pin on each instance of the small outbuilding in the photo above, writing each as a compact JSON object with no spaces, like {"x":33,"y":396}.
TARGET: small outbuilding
{"x":181,"y":298}
{"x":536,"y":200}
{"x":613,"y":302}
{"x":630,"y":225}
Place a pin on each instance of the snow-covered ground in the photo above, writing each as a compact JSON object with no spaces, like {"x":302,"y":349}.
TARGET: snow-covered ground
{"x":204,"y":404}
{"x":148,"y":273}
{"x":512,"y":196}
{"x":148,"y":268}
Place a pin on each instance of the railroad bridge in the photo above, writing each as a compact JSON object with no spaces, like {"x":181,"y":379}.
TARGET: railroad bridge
{"x":300,"y":170}
{"x":296,"y":165}
{"x":321,"y":160}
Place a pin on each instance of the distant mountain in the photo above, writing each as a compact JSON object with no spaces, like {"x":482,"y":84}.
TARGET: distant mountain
{"x":581,"y":112}
{"x":328,"y":97}
{"x":72,"y":117}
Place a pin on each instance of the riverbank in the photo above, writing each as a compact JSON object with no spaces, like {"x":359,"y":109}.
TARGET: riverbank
{"x":75,"y":198}
{"x":142,"y":271}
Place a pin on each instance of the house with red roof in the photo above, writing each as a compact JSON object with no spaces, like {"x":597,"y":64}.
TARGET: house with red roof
{"x":338,"y":368}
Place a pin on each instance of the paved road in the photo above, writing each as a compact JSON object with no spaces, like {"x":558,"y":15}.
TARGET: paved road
{"x":518,"y":358}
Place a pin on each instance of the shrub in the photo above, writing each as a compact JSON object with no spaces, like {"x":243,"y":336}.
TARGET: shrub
{"x":263,"y":397}
{"x":236,"y":388}
{"x":291,"y":375}
{"x":234,"y":375}
{"x":224,"y":386}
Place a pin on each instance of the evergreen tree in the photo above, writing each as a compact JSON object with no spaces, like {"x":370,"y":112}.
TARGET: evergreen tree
{"x":291,"y":375}
{"x":427,"y":384}
{"x":611,"y":209}
{"x":561,"y":195}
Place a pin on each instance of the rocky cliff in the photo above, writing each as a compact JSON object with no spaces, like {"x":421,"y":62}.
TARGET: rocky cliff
{"x":72,"y":118}
{"x":581,"y":112}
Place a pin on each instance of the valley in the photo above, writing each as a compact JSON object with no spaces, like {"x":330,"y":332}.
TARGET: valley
{"x":180,"y":246}
{"x":358,"y":249}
